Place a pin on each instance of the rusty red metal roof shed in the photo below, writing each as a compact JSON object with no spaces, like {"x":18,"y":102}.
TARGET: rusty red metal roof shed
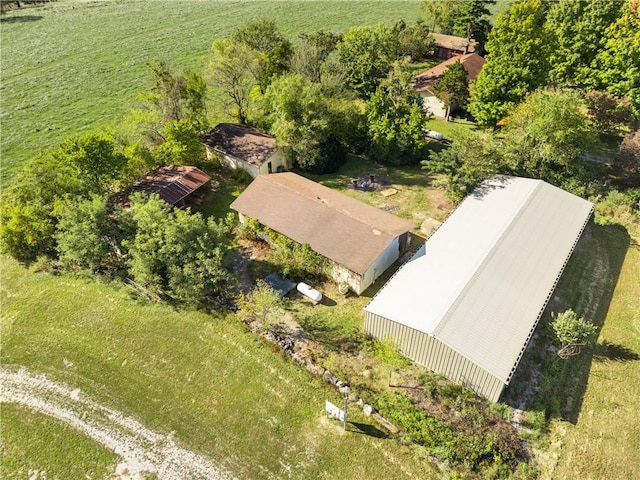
{"x":172,"y":183}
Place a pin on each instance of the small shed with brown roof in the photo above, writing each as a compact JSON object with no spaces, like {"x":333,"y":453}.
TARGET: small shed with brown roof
{"x":448,"y":46}
{"x":425,"y":81}
{"x":245,"y":147}
{"x":172,"y":183}
{"x":360,"y":240}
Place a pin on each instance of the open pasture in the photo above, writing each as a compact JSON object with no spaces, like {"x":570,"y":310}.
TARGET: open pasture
{"x":224,"y":393}
{"x":76,"y":66}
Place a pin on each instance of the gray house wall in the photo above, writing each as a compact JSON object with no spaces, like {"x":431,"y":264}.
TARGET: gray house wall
{"x":277,"y":160}
{"x":430,"y":352}
{"x":358,"y":283}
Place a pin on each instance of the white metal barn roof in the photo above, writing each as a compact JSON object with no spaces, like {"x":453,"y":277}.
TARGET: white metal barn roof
{"x":481,"y":281}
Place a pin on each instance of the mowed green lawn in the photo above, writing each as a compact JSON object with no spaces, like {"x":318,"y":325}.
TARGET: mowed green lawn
{"x":76,"y":66}
{"x":221,"y":389}
{"x":603,"y":439}
{"x":27,"y":439}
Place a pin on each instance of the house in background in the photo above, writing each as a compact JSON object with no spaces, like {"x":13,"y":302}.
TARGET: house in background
{"x":244,"y":147}
{"x":173,"y":184}
{"x":424,"y":82}
{"x":448,"y":46}
{"x":361,"y":241}
{"x":468,"y":302}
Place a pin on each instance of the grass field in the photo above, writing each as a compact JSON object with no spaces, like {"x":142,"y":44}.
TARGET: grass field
{"x":78,"y":65}
{"x":223,"y":392}
{"x":599,"y":434}
{"x":27,"y":439}
{"x":414,"y":198}
{"x":586,"y":407}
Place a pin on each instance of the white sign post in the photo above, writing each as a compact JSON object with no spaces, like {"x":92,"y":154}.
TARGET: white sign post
{"x":333,"y":411}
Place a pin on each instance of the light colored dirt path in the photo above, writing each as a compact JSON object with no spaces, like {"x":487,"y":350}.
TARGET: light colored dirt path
{"x":142,"y":450}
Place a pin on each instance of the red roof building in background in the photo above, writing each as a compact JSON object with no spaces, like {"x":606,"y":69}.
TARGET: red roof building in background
{"x":424,"y":82}
{"x":172,"y":183}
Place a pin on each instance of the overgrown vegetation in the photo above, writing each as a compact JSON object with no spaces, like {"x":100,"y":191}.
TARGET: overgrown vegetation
{"x":292,"y":259}
{"x":472,"y":438}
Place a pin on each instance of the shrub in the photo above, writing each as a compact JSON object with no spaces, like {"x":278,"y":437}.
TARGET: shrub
{"x":617,"y":207}
{"x":480,"y":442}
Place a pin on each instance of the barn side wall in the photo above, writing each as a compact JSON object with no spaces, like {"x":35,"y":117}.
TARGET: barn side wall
{"x":382,"y":263}
{"x":232,"y":163}
{"x":278,"y":159}
{"x":341,"y":274}
{"x":430,"y":352}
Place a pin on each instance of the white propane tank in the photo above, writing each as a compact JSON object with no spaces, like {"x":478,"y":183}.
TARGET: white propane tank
{"x":307,"y":291}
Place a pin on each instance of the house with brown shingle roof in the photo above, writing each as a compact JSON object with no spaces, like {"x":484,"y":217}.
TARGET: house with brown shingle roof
{"x":448,"y":46}
{"x":245,"y":147}
{"x":424,"y":82}
{"x":361,"y":241}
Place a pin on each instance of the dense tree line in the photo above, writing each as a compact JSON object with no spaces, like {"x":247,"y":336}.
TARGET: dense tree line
{"x":63,"y":205}
{"x":588,"y":45}
{"x":546,"y":136}
{"x":333,"y":94}
{"x":323,"y":97}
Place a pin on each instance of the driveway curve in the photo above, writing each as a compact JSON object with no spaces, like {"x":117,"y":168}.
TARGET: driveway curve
{"x":142,"y":451}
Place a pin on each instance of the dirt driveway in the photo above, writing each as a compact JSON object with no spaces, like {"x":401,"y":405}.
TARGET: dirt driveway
{"x":142,"y":451}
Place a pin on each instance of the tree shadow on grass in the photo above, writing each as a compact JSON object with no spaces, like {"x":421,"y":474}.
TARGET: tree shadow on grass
{"x":366,"y":429}
{"x":20,"y":19}
{"x":608,"y":246}
{"x":607,"y":351}
{"x":332,"y":336}
{"x":544,"y":382}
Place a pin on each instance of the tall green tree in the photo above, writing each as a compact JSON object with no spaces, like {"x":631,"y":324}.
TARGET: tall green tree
{"x":234,"y":70}
{"x":415,"y":40}
{"x":312,"y":52}
{"x":471,"y":21}
{"x":396,"y":120}
{"x":453,"y":87}
{"x":175,"y":252}
{"x":619,"y":61}
{"x":368,"y":53}
{"x":517,"y":62}
{"x":83,"y":234}
{"x":441,"y":14}
{"x":578,"y":28}
{"x":275,"y":50}
{"x":96,"y":157}
{"x":301,"y":117}
{"x":182,"y":146}
{"x":472,"y":157}
{"x":173,"y":96}
{"x":547,"y":135}
{"x":194,"y":97}
{"x":28,"y":207}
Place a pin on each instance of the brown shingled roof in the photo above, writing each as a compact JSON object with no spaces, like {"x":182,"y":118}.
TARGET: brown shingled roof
{"x":172,"y":183}
{"x":349,"y":232}
{"x":241,"y":141}
{"x":453,"y":43}
{"x":471,"y":62}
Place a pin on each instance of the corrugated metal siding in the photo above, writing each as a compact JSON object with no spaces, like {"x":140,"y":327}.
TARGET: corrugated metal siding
{"x":430,"y":352}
